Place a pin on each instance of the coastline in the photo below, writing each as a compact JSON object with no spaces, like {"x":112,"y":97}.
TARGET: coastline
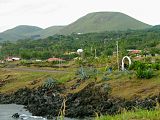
{"x":93,"y":99}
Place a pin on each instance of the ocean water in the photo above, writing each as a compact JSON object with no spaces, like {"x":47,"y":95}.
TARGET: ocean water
{"x":7,"y":110}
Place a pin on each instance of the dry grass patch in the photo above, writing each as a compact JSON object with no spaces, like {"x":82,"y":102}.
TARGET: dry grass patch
{"x":31,"y":79}
{"x":131,"y":88}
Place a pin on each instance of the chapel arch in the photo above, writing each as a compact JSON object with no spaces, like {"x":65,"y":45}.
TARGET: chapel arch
{"x":129,"y":59}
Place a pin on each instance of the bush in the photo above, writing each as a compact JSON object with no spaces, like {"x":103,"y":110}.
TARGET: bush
{"x":105,"y":78}
{"x":50,"y":83}
{"x":156,"y":66}
{"x":106,"y":88}
{"x":141,"y":73}
{"x":144,"y":70}
{"x":87,"y":73}
{"x":25,"y":63}
{"x":137,"y":65}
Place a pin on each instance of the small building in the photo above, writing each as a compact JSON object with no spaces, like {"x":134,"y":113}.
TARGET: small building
{"x":70,"y":53}
{"x":134,"y":51}
{"x":9,"y":59}
{"x":79,"y":51}
{"x":1,"y":61}
{"x":37,"y":60}
{"x":16,"y":58}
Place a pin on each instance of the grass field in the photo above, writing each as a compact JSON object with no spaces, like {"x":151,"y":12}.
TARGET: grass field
{"x":138,"y":115}
{"x":15,"y":79}
{"x":123,"y":84}
{"x":128,"y":86}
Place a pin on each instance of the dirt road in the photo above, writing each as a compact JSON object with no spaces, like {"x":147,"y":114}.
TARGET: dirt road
{"x":36,"y":70}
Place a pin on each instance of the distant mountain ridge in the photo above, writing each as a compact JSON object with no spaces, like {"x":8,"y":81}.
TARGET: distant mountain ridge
{"x":26,"y":31}
{"x":47,"y":32}
{"x":92,"y":22}
{"x":23,"y":29}
{"x":104,"y":21}
{"x":19,"y":32}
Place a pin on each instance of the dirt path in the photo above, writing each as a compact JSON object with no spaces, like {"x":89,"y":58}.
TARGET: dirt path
{"x":36,"y":70}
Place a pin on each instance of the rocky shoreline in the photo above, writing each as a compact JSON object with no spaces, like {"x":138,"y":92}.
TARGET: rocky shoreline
{"x":93,"y":99}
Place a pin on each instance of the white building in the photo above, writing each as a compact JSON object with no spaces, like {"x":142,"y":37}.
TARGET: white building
{"x":15,"y":58}
{"x":79,"y":51}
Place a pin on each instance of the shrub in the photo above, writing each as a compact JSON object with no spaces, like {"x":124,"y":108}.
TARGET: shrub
{"x":143,"y":70}
{"x":50,"y":83}
{"x":107,"y":87}
{"x":141,"y":73}
{"x":87,"y":73}
{"x":105,"y":78}
{"x":137,"y":65}
{"x":156,"y":66}
{"x":25,"y":63}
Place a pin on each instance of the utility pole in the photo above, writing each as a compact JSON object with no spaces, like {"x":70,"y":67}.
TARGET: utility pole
{"x":95,"y":53}
{"x":117,"y":55}
{"x":59,"y":63}
{"x":91,"y":49}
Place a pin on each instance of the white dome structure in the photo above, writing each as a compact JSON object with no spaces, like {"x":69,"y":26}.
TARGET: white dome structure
{"x":79,"y":51}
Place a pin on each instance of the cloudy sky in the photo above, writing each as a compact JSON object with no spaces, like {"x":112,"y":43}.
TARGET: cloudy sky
{"x":45,"y":13}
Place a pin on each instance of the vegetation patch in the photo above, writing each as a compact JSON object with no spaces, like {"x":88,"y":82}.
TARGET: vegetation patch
{"x":134,"y":115}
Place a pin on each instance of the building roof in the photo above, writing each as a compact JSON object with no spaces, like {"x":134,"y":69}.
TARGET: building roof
{"x":79,"y":50}
{"x":134,"y":51}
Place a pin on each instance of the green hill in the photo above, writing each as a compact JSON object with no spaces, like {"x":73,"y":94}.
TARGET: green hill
{"x":19,"y":32}
{"x":93,"y":22}
{"x":46,"y":32}
{"x":24,"y":31}
{"x":104,"y":21}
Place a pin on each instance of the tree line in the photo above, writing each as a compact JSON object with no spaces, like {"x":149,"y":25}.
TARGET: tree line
{"x":105,"y":44}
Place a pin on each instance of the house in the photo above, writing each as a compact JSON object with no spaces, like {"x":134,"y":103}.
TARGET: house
{"x":9,"y":59}
{"x":15,"y":58}
{"x":70,"y":53}
{"x":79,"y":51}
{"x":134,"y":52}
{"x":54,"y":59}
{"x":38,"y":60}
{"x":1,"y":61}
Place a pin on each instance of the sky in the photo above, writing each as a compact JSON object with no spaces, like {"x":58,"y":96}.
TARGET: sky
{"x":46,"y":13}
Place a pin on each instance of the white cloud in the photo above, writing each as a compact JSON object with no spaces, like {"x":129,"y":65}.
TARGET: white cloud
{"x":46,"y":13}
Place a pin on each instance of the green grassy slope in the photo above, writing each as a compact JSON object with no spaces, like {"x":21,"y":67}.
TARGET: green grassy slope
{"x":48,"y":31}
{"x":19,"y":32}
{"x":24,"y":31}
{"x":104,"y":21}
{"x":138,"y":115}
{"x":93,"y":22}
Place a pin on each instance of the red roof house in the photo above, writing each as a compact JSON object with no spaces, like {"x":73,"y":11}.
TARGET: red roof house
{"x":134,"y":51}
